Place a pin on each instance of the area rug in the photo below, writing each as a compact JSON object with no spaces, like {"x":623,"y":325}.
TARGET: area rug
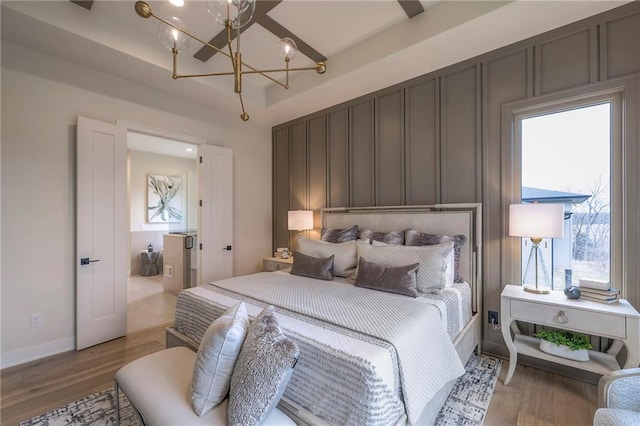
{"x":469,"y":399}
{"x":466,"y":405}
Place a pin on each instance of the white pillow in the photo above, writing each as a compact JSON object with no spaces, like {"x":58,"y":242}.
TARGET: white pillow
{"x":344,"y":261}
{"x":450,"y":273}
{"x":217,"y":355}
{"x":432,"y":260}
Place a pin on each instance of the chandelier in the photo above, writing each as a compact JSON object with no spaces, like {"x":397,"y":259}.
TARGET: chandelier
{"x":233,"y":14}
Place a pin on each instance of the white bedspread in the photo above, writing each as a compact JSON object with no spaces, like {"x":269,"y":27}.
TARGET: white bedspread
{"x":427,"y":358}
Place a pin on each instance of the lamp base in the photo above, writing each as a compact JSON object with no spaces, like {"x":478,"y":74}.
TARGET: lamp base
{"x":537,"y":290}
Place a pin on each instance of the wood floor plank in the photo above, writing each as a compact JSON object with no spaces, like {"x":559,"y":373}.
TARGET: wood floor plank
{"x":571,"y":404}
{"x":40,"y":386}
{"x":538,"y":398}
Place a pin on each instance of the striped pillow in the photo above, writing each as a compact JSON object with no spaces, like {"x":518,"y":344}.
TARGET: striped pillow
{"x":432,"y":260}
{"x":417,"y":238}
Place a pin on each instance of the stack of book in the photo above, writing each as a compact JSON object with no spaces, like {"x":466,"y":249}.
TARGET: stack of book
{"x":597,"y":291}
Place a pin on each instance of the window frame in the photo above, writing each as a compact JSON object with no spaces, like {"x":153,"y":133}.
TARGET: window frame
{"x":621,"y":95}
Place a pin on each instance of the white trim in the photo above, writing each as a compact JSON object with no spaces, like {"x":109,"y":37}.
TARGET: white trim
{"x":32,"y":353}
{"x":169,"y":134}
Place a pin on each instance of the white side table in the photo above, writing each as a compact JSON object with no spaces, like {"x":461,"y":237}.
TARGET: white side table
{"x":271,"y":264}
{"x":618,"y":321}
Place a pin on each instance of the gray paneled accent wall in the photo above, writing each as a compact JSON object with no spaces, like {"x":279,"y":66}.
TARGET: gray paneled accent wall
{"x":438,"y":138}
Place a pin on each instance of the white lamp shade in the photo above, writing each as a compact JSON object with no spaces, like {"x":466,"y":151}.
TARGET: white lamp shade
{"x":300,"y":220}
{"x":536,"y":220}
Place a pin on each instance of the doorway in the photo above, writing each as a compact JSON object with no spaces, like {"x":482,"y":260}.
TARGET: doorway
{"x":162,"y":182}
{"x":103,"y":220}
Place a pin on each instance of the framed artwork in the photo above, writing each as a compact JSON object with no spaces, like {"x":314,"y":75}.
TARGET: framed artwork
{"x":164,"y":199}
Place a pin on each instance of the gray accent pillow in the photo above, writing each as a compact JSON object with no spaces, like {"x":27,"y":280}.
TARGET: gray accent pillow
{"x":431,"y":275}
{"x":217,"y":355}
{"x":392,"y":237}
{"x":313,"y":267}
{"x":262,"y":371}
{"x":345,"y":261}
{"x":413,"y":237}
{"x":333,"y":235}
{"x":399,"y":279}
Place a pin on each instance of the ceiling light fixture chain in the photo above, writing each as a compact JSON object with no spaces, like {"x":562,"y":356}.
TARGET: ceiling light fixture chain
{"x":175,"y":36}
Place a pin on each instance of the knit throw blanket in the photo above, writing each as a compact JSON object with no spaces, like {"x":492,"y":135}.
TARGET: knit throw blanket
{"x":427,"y":358}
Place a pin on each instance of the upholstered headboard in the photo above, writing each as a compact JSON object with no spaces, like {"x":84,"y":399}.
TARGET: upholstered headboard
{"x":449,"y":219}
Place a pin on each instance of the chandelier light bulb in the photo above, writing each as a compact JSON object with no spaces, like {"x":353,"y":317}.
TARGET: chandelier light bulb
{"x":170,"y":37}
{"x":177,"y":3}
{"x":240,"y":11}
{"x":287,"y":48}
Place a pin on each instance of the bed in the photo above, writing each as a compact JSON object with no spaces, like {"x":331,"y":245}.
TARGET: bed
{"x":360,"y":362}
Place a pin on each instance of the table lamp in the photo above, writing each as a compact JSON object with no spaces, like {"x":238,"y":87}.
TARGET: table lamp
{"x":536,"y":221}
{"x":300,"y":220}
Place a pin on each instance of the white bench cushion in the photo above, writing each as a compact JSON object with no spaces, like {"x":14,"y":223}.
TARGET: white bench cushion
{"x":158,"y":385}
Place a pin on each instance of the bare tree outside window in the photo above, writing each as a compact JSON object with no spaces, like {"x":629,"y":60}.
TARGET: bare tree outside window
{"x":591,"y":231}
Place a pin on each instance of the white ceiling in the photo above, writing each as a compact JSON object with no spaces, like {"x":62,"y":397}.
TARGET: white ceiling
{"x":370,"y":44}
{"x":149,"y":143}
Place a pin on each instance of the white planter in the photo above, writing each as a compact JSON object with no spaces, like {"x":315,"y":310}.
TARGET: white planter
{"x":564,"y":351}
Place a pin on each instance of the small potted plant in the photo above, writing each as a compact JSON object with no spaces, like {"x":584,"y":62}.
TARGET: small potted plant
{"x":564,"y":344}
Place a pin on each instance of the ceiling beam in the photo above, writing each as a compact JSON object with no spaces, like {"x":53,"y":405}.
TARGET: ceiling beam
{"x":87,"y":4}
{"x":220,"y":40}
{"x":411,"y":7}
{"x":281,"y":32}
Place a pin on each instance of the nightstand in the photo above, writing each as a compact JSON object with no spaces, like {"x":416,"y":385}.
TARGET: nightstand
{"x":271,"y":264}
{"x":618,"y":321}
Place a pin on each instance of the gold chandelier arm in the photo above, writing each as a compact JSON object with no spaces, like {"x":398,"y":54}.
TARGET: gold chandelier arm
{"x":206,"y":43}
{"x":244,"y":116}
{"x":263,"y":73}
{"x":276,"y":70}
{"x":143,"y":10}
{"x":203,"y":75}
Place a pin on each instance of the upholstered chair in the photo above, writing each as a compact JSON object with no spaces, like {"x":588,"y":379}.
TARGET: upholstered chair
{"x":619,"y":398}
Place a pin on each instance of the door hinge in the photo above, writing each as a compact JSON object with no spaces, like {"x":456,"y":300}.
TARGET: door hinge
{"x":200,"y":203}
{"x":201,"y":159}
{"x":200,"y":246}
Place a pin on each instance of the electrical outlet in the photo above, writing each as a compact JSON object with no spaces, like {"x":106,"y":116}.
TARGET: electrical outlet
{"x":168,"y":271}
{"x":493,"y":317}
{"x":37,"y":320}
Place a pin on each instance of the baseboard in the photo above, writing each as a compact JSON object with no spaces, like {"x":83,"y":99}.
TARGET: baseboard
{"x":32,"y":353}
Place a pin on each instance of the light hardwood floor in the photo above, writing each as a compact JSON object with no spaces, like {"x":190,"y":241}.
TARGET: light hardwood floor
{"x":42,"y":385}
{"x":533,"y":397}
{"x":39,"y":386}
{"x":147,"y":303}
{"x":538,"y":398}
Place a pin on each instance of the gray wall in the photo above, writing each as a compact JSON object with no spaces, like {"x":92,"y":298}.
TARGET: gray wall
{"x":446,"y":137}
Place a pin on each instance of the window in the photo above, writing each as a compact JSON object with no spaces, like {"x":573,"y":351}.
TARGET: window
{"x":566,"y":158}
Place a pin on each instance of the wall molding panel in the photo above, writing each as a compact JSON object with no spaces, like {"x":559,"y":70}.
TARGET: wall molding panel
{"x":441,"y":138}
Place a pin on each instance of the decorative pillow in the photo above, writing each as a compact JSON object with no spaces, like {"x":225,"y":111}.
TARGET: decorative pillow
{"x":432,"y":260}
{"x":392,"y":237}
{"x":262,"y":371}
{"x":344,"y":262}
{"x":313,"y":267}
{"x":333,"y":235}
{"x":417,"y":238}
{"x":400,"y":279}
{"x":217,"y":355}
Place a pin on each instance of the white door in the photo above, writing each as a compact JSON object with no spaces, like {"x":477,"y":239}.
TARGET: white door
{"x":101,"y":233}
{"x":215,"y":218}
